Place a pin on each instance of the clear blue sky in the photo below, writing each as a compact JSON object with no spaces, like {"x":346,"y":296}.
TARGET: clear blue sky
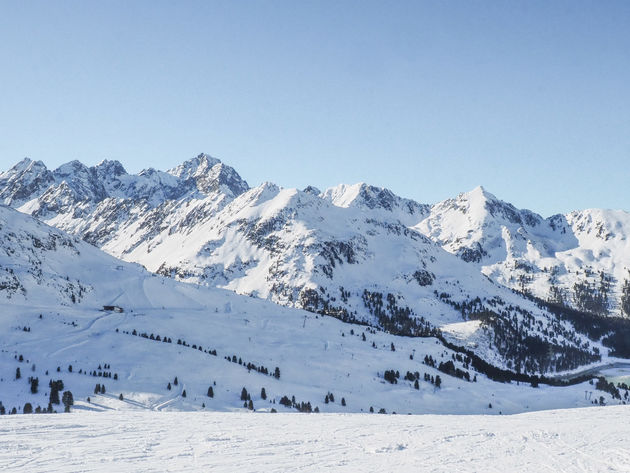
{"x":530,"y":99}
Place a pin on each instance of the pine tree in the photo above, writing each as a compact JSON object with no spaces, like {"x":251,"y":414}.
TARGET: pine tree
{"x":55,"y":387}
{"x":175,"y":382}
{"x":210,"y":392}
{"x":416,"y":385}
{"x":28,"y":408}
{"x":184,"y":393}
{"x":625,"y":298}
{"x":244,"y":395}
{"x":263,"y":394}
{"x":120,"y":397}
{"x":68,"y":400}
{"x":343,"y":401}
{"x":250,"y":406}
{"x":34,"y":385}
{"x":276,"y":373}
{"x":18,"y":374}
{"x":168,"y":386}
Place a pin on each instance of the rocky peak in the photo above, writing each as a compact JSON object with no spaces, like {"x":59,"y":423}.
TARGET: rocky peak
{"x":107,"y":168}
{"x":22,"y":181}
{"x":194,"y":167}
{"x":373,"y":198}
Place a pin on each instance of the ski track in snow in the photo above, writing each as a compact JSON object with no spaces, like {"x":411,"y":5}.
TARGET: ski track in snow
{"x":572,"y":440}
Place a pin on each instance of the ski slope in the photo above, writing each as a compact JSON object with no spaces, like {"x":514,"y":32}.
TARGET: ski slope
{"x":573,"y":440}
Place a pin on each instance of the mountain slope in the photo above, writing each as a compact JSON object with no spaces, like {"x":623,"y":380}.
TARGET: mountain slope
{"x":173,"y":341}
{"x":358,"y":253}
{"x":581,"y":260}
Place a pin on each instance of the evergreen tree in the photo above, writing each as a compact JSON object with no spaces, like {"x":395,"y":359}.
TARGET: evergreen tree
{"x":18,"y":374}
{"x":244,"y":394}
{"x":625,"y":298}
{"x":276,"y":373}
{"x":34,"y":385}
{"x":250,"y":406}
{"x":175,"y":382}
{"x":68,"y":400}
{"x":263,"y":394}
{"x":343,"y":401}
{"x":168,"y":386}
{"x":28,"y":408}
{"x":210,"y":392}
{"x":55,"y":387}
{"x":120,"y":397}
{"x":184,"y":393}
{"x":416,"y":385}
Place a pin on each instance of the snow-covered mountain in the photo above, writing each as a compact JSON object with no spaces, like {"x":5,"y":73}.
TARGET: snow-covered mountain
{"x":581,"y":260}
{"x":179,"y":346}
{"x":358,"y":253}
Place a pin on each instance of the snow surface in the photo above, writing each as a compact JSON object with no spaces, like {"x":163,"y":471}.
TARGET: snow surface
{"x":575,"y":440}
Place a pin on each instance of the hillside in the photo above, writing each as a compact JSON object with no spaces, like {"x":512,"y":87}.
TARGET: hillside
{"x":53,"y":327}
{"x":358,"y":253}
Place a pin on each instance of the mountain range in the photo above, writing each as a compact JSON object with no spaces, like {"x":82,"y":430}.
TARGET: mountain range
{"x":529,"y":294}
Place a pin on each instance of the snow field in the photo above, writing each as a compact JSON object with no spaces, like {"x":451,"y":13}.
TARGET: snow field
{"x":572,"y":440}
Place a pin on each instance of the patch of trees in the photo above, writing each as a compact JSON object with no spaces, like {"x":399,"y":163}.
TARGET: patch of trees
{"x":100,"y":372}
{"x":424,"y":277}
{"x":396,"y":319}
{"x":605,"y":386}
{"x":251,"y":366}
{"x":613,"y":331}
{"x":299,"y":406}
{"x":529,"y":344}
{"x":450,"y":369}
{"x":592,"y":297}
{"x":505,"y":376}
{"x":391,"y":376}
{"x":311,"y":300}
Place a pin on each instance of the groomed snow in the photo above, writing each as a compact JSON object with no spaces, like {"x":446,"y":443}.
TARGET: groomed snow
{"x":569,"y":440}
